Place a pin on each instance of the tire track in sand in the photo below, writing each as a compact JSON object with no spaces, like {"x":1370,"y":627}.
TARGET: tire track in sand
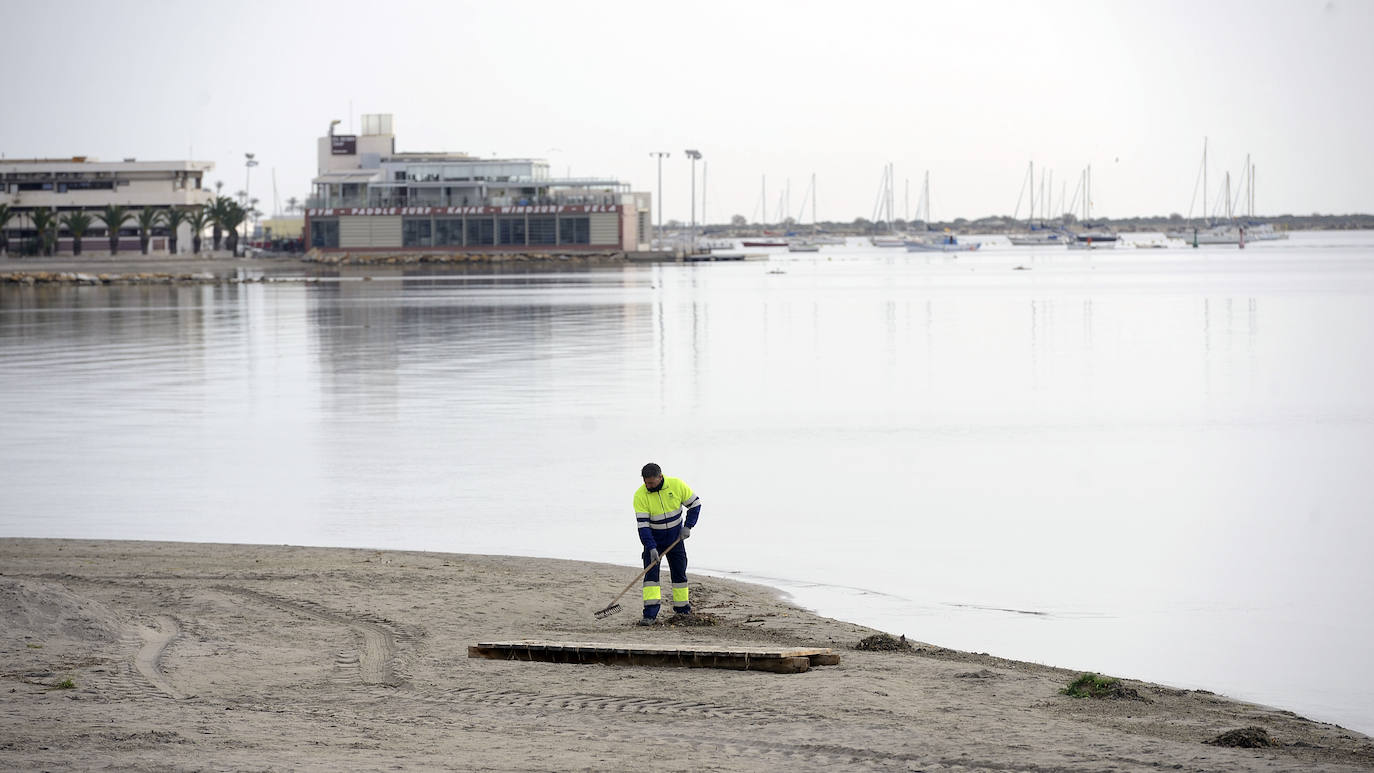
{"x":148,"y":660}
{"x":374,"y":661}
{"x":138,"y":674}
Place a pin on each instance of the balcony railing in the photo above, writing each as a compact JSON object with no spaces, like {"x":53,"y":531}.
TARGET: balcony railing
{"x":400,"y":198}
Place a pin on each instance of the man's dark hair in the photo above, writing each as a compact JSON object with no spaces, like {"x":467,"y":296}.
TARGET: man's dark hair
{"x":650,"y":470}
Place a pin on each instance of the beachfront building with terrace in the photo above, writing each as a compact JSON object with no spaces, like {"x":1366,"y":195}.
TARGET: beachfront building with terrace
{"x":81,"y":184}
{"x":368,"y":197}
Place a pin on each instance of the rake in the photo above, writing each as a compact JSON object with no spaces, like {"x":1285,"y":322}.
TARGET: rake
{"x":614,"y":606}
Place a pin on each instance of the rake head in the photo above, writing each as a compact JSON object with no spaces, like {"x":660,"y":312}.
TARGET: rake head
{"x":608,"y":611}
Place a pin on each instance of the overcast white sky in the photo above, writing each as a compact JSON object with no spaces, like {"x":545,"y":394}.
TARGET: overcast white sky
{"x":970,"y":91}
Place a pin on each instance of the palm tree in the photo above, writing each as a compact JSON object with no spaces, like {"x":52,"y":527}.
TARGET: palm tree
{"x":114,"y":217}
{"x":147,"y":218}
{"x":172,"y":219}
{"x":5,"y":214}
{"x":218,"y":208}
{"x":234,"y":216}
{"x":293,"y":204}
{"x":77,"y":222}
{"x":45,"y":222}
{"x":197,"y":219}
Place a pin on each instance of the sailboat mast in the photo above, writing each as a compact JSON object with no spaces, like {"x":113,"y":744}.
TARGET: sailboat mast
{"x":1088,"y":192}
{"x":813,"y":202}
{"x":1247,"y":184}
{"x":764,"y":204}
{"x":1045,"y":208}
{"x":1206,"y":215}
{"x":703,"y":194}
{"x":1042,"y":194}
{"x":1083,"y":183}
{"x":1031,"y":220}
{"x":926,"y":195}
{"x":1228,"y":194}
{"x":891,"y":194}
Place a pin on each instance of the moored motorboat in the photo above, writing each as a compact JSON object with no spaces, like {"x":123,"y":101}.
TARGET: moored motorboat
{"x":939,"y":243}
{"x":888,"y":241}
{"x":1094,"y":240}
{"x":1040,"y":237}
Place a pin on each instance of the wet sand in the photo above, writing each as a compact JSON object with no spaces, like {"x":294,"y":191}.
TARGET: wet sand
{"x":182,"y":656}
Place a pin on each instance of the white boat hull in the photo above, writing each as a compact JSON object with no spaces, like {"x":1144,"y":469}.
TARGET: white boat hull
{"x":1039,"y":240}
{"x":920,"y":246}
{"x":1099,"y":244}
{"x":1228,"y":234}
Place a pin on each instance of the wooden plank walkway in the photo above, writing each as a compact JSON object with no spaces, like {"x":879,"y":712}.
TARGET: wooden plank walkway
{"x":793,"y":660}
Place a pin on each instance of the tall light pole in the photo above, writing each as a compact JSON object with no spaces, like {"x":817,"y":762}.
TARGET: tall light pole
{"x":694,"y":155}
{"x":248,"y":164}
{"x":658,"y":230}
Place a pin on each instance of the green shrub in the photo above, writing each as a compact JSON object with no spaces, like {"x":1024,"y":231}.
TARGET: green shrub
{"x":1098,"y":686}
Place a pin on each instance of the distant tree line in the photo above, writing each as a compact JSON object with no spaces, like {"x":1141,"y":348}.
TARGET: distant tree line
{"x":739,"y":225}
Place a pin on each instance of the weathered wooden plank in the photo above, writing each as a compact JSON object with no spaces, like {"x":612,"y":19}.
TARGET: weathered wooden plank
{"x":648,"y":648}
{"x":787,"y":661}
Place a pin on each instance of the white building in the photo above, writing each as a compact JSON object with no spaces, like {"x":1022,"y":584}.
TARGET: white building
{"x":367,"y":196}
{"x":81,"y":183}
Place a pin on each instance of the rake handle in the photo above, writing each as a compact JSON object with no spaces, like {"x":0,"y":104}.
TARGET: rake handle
{"x":645,"y":571}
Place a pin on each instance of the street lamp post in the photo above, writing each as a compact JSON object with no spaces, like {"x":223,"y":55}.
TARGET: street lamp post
{"x":658,"y":231}
{"x":248,"y":164}
{"x":694,"y":155}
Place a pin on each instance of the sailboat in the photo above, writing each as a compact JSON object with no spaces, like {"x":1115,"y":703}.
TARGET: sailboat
{"x":1037,"y":235}
{"x":767,"y":240}
{"x":932,"y":241}
{"x":818,"y":237}
{"x":813,"y":242}
{"x":1091,"y":237}
{"x":884,"y":206}
{"x":1232,"y":231}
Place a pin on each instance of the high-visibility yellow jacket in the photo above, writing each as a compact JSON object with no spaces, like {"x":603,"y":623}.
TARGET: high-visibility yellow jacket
{"x":659,"y":515}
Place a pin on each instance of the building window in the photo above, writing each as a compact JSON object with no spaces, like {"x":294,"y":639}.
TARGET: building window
{"x":86,"y":185}
{"x":575,"y":230}
{"x":324,"y":233}
{"x":543,"y":230}
{"x":416,"y":232}
{"x":481,"y":232}
{"x":448,"y":231}
{"x":512,"y":230}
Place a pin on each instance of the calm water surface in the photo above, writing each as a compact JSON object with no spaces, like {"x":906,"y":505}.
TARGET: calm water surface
{"x":1150,"y":463}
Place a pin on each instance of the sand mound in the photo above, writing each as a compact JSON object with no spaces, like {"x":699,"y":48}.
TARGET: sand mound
{"x":44,"y":610}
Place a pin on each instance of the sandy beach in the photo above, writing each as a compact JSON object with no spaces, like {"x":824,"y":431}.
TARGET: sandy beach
{"x":182,"y":656}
